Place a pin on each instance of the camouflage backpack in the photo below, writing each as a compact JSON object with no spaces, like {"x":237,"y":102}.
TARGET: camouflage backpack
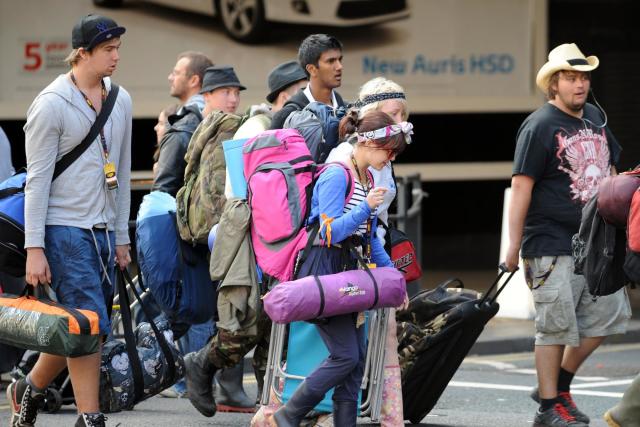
{"x":201,"y":200}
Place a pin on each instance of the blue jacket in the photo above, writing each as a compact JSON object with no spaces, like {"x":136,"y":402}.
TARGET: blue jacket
{"x":328,"y":198}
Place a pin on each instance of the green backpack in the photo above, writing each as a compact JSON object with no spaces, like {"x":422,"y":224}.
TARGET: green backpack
{"x":201,"y":200}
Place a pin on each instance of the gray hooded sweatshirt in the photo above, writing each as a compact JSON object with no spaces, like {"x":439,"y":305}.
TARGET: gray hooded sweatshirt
{"x":58,"y":120}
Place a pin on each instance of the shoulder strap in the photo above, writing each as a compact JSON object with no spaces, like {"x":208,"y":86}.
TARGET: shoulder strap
{"x":77,"y":151}
{"x":313,"y":229}
{"x":129,"y":338}
{"x":162,"y":342}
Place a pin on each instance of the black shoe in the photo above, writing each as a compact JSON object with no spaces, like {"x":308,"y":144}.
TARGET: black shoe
{"x":24,"y":403}
{"x":91,"y":420}
{"x":229,"y":394}
{"x":292,"y":413}
{"x":567,"y":401}
{"x":345,"y":413}
{"x":556,"y":416}
{"x":198,"y":375}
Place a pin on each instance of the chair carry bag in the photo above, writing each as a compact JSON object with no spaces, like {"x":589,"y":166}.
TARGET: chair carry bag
{"x":330,"y":295}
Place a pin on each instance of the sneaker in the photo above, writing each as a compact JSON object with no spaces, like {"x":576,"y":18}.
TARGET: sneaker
{"x":556,"y":416}
{"x":91,"y":420}
{"x":567,"y":401}
{"x":24,"y":404}
{"x":172,"y":393}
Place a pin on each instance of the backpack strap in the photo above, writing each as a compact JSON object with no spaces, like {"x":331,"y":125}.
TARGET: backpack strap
{"x":10,"y":191}
{"x":97,"y":126}
{"x":314,"y":229}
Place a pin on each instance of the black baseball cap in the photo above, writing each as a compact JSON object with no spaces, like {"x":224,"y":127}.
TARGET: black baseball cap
{"x":92,"y":30}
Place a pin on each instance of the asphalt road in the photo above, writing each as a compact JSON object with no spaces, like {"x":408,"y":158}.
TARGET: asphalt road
{"x":486,"y":391}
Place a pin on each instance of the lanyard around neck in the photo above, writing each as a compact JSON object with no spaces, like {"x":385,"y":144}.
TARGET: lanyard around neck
{"x":366,"y":185}
{"x":103,"y":140}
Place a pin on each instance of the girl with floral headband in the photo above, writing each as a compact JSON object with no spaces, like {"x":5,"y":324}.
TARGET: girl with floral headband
{"x":384,"y":95}
{"x":352,"y":224}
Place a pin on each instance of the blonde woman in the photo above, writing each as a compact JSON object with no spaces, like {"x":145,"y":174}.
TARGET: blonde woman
{"x":384,"y":95}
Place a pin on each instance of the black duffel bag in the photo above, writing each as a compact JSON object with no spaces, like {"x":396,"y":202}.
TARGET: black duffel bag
{"x":427,"y":304}
{"x":141,"y":367}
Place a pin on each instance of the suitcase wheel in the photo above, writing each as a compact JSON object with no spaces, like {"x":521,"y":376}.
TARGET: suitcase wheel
{"x":52,"y":400}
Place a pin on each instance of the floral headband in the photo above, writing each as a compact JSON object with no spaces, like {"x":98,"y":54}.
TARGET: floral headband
{"x":403,"y":127}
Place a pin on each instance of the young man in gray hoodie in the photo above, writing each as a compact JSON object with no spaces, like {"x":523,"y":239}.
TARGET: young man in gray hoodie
{"x":76,"y":225}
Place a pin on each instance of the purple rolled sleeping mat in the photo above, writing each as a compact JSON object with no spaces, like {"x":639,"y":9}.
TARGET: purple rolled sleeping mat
{"x":351,"y":291}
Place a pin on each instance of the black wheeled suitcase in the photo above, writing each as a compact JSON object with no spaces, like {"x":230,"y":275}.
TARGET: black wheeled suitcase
{"x":438,"y":347}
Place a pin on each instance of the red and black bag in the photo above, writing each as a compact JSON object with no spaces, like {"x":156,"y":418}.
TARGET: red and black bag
{"x":403,"y":254}
{"x":615,"y":193}
{"x":633,"y":223}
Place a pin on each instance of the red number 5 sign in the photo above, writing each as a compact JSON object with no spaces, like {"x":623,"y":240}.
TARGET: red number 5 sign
{"x":45,"y":56}
{"x":32,"y":56}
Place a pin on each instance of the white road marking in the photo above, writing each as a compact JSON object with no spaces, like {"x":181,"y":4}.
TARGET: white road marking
{"x":489,"y":386}
{"x":523,"y":371}
{"x":465,"y":384}
{"x":509,"y":367}
{"x":601,"y":384}
{"x":579,"y":378}
{"x":501,"y":366}
{"x":594,"y":379}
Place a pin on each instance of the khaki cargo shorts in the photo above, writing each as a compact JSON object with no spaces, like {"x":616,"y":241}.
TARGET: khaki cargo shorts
{"x":565,"y":310}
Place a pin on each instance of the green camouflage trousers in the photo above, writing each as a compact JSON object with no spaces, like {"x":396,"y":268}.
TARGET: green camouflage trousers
{"x":228,"y":349}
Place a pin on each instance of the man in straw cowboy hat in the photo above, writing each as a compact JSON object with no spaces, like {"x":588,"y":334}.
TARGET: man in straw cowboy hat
{"x":563,"y":150}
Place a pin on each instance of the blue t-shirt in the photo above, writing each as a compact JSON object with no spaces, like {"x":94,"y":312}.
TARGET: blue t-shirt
{"x":567,"y":157}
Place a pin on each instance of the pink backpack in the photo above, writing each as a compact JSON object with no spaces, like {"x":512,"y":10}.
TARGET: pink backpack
{"x":280,"y":174}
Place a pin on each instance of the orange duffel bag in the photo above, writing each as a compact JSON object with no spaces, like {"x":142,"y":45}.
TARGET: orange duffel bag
{"x":46,"y":326}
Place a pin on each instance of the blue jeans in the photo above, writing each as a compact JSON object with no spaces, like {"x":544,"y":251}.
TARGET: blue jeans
{"x":77,"y":275}
{"x":344,"y":367}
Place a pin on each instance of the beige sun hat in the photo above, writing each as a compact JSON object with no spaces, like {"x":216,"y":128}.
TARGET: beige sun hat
{"x":565,"y":57}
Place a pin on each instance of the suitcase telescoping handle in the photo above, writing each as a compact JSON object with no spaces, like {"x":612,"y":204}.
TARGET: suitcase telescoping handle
{"x":491,"y":299}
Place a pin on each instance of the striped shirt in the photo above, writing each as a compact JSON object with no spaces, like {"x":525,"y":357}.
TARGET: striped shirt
{"x":359,"y":194}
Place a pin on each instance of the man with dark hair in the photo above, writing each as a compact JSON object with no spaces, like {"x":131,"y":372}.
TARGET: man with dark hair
{"x":186,"y":82}
{"x":320,"y":56}
{"x":563,"y":151}
{"x":77,"y":224}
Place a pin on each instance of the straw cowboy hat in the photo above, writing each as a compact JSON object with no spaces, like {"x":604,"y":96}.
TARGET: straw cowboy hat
{"x":565,"y":57}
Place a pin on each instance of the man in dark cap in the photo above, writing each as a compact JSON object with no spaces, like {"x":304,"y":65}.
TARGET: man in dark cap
{"x":76,"y":224}
{"x":221,"y":90}
{"x":225,"y":349}
{"x":284,"y":81}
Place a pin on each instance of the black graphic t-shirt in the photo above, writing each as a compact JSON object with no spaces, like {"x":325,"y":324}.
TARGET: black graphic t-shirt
{"x":567,"y":157}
